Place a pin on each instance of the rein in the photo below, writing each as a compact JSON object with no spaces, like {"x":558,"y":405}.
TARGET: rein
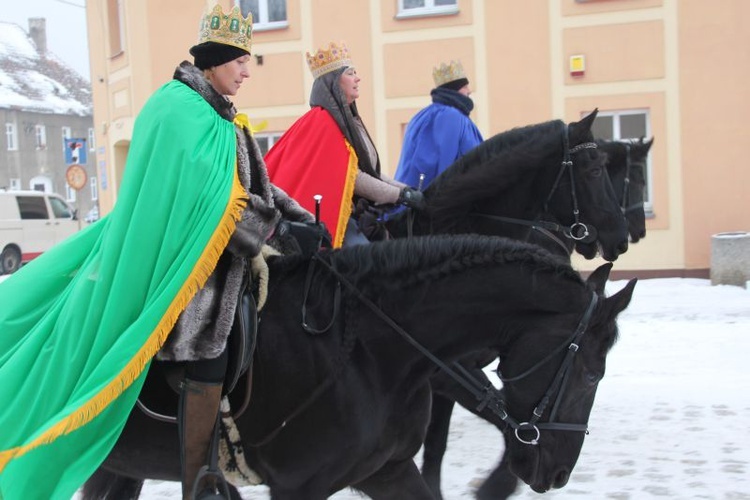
{"x":488,"y":396}
{"x":577,"y":231}
{"x":624,"y":207}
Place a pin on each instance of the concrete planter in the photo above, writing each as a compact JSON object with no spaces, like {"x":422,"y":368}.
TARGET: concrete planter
{"x":730,"y":258}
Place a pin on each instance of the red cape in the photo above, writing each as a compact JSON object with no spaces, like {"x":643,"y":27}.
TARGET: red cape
{"x":314,"y":158}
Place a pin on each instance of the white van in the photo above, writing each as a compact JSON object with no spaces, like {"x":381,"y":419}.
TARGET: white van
{"x":30,"y":223}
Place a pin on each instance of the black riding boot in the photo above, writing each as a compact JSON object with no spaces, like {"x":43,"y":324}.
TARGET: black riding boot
{"x":199,"y":407}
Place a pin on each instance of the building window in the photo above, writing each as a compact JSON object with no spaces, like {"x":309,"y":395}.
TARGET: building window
{"x":15,"y":184}
{"x":416,"y":8}
{"x":92,"y":140}
{"x":11,"y":136}
{"x":267,"y":14}
{"x":266,"y":141}
{"x":627,"y":125}
{"x":94,"y":189}
{"x":70,"y":194}
{"x":41,"y":136}
{"x":114,"y":20}
{"x":65,"y":135}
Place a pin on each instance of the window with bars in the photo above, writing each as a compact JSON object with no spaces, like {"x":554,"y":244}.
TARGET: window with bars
{"x":92,"y":140}
{"x":94,"y":189}
{"x":627,"y":125}
{"x":40,"y":132}
{"x":412,"y":8}
{"x":11,"y":136}
{"x":267,"y":14}
{"x":65,"y":135}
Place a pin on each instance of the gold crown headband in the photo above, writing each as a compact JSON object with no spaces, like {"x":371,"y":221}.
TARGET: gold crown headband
{"x":325,"y":61}
{"x":448,"y":72}
{"x":229,"y":29}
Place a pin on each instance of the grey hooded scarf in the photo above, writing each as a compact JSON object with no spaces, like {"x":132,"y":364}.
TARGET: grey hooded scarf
{"x":326,"y":93}
{"x":202,"y":329}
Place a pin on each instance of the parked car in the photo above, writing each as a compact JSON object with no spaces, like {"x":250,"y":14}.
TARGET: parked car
{"x":31,"y":222}
{"x":92,"y":215}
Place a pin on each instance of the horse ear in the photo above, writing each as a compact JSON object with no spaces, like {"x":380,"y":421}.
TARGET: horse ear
{"x":619,"y":301}
{"x":580,"y":130}
{"x":598,"y":279}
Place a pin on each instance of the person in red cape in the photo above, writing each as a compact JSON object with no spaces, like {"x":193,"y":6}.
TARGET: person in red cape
{"x":328,"y":152}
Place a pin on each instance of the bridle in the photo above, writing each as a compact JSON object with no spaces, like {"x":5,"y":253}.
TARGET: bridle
{"x":578,"y":231}
{"x":624,"y":207}
{"x":559,"y":384}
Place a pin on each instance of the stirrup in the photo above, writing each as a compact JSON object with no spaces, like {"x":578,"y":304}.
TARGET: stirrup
{"x":220,"y":488}
{"x":220,"y":491}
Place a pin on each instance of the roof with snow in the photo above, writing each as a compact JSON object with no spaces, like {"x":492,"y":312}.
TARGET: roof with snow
{"x":39,"y":83}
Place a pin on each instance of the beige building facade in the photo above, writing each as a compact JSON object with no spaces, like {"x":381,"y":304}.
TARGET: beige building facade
{"x":674,"y":70}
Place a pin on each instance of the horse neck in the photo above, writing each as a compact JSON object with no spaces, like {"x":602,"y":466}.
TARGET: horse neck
{"x":513,"y":303}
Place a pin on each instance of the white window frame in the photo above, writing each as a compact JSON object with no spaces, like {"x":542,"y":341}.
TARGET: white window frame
{"x":617,"y":136}
{"x":272,"y":137}
{"x":11,"y":136}
{"x":94,"y":189}
{"x":70,"y":193}
{"x":92,"y":140}
{"x":66,"y":134}
{"x":262,"y":23}
{"x":15,"y":184}
{"x":40,"y":133}
{"x":429,"y":9}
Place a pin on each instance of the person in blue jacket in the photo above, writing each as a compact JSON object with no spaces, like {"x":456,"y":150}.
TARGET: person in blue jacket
{"x":441,"y":133}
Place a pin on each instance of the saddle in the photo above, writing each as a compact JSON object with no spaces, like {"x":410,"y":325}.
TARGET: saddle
{"x":160,"y":394}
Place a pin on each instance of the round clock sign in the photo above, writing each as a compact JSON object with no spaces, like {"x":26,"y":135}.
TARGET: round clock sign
{"x":76,"y":177}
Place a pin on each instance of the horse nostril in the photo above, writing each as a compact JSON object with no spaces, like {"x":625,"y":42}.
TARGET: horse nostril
{"x":561,"y":479}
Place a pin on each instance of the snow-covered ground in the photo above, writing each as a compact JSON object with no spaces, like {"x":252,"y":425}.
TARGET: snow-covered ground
{"x":672,"y":415}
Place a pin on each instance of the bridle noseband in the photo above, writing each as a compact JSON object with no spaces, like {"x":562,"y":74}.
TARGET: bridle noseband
{"x":559,"y":383}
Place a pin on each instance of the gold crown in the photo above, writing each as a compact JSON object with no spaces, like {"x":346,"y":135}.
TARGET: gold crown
{"x":229,"y":29}
{"x":325,"y":61}
{"x":448,"y":72}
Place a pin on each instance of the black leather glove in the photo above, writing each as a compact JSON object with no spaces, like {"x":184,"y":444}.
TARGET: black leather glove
{"x":310,"y":237}
{"x":411,"y":198}
{"x":371,"y":226}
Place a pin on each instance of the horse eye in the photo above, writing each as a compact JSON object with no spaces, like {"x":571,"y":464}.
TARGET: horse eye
{"x":592,"y":377}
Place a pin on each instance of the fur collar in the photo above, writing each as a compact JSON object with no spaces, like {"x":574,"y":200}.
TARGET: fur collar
{"x":193,"y":78}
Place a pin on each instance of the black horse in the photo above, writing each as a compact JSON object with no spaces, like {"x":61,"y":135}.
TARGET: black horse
{"x":626,"y":165}
{"x":543,"y":183}
{"x":547,"y":176}
{"x":348,"y":405}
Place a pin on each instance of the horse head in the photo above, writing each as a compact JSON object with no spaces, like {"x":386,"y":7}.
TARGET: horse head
{"x":554,"y":405}
{"x":627,"y":170}
{"x":583,"y":197}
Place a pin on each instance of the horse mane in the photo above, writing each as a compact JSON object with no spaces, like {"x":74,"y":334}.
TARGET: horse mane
{"x":404,"y":262}
{"x":493,"y":166}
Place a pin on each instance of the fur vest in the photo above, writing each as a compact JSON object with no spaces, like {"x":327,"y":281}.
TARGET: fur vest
{"x":202,"y":329}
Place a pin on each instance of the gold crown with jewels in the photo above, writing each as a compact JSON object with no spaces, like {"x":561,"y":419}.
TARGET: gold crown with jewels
{"x":448,"y":72}
{"x":325,"y":61}
{"x":228,"y":29}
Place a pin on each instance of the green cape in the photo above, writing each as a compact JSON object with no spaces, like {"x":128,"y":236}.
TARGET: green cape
{"x":80,"y":324}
